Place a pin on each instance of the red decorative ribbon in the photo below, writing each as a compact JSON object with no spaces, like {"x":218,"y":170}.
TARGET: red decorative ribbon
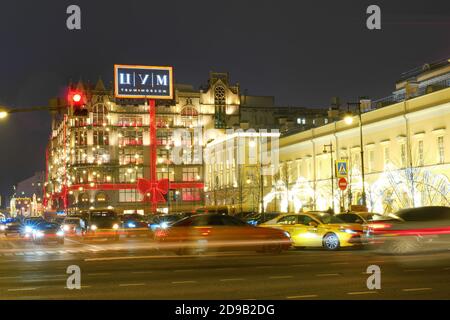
{"x":153,"y":191}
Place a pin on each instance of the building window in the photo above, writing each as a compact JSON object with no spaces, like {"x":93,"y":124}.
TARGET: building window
{"x":84,"y":198}
{"x":130,"y":175}
{"x":101,"y":137}
{"x":441,"y":149}
{"x":131,"y":156}
{"x":130,"y":138}
{"x":420,"y":153}
{"x":403,"y":154}
{"x":129,"y":195}
{"x":101,"y":197}
{"x":130,"y":121}
{"x":80,"y":137}
{"x":386,"y":156}
{"x":191,"y":174}
{"x":99,"y":115}
{"x":371,"y":160}
{"x":191,"y":194}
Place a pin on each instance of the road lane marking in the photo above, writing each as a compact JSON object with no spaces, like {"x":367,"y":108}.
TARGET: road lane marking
{"x":182,"y":282}
{"x":415,"y":289}
{"x":413,"y":270}
{"x":19,"y":253}
{"x":263,"y":267}
{"x":303,"y":296}
{"x":185,"y":270}
{"x":5,"y":278}
{"x":232,"y":279}
{"x":134,"y":258}
{"x":141,"y":272}
{"x":361,"y":292}
{"x":225,"y":269}
{"x":280,"y":277}
{"x":131,"y":284}
{"x":326,"y":274}
{"x":99,"y":274}
{"x":300,"y":265}
{"x":22,"y":289}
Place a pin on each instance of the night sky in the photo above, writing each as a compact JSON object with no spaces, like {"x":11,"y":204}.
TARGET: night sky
{"x":302,"y":52}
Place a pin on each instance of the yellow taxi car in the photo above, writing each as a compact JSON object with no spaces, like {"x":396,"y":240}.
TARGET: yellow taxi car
{"x":317,"y":229}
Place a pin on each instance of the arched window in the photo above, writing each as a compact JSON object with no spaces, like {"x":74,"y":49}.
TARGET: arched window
{"x":100,"y":114}
{"x":189,"y":116}
{"x":83,"y":198}
{"x":101,"y":197}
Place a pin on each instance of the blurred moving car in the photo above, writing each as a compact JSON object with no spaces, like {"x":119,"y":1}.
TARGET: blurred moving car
{"x":258,"y":218}
{"x":216,"y":232}
{"x":72,"y":225}
{"x":360,"y":217}
{"x":11,"y":227}
{"x":101,"y":224}
{"x":28,"y":225}
{"x":45,"y":232}
{"x":413,"y":230}
{"x":317,"y":229}
{"x":213,"y":209}
{"x":135,"y":225}
{"x":165,"y":220}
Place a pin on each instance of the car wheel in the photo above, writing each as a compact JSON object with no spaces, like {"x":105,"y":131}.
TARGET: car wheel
{"x":331,"y":241}
{"x":403,"y":245}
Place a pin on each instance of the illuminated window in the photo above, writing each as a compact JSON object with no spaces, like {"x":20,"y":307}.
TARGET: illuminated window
{"x":129,"y":195}
{"x":99,"y":115}
{"x":130,"y":175}
{"x":420,"y":152}
{"x":190,"y":174}
{"x":386,"y":156}
{"x":101,"y":137}
{"x":84,"y":198}
{"x":441,"y":150}
{"x":131,"y":138}
{"x":191,"y":194}
{"x":101,"y":197}
{"x":371,"y":160}
{"x":81,"y":137}
{"x":131,"y":156}
{"x":403,"y":154}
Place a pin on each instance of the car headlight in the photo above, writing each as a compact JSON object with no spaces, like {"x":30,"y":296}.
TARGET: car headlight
{"x":2,"y":228}
{"x":39,"y":234}
{"x":28,"y":229}
{"x":66,"y":227}
{"x":131,"y":225}
{"x":60,"y":233}
{"x":93,"y":227}
{"x":287,"y":234}
{"x":115,"y":226}
{"x":163,"y":225}
{"x":350,"y":231}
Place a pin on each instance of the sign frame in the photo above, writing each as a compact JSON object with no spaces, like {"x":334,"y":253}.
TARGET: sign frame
{"x":118,"y":95}
{"x":338,"y":173}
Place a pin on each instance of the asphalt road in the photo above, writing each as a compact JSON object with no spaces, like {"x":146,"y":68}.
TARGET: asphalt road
{"x":134,"y":269}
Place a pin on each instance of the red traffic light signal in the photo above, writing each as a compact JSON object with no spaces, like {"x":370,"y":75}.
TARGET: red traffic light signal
{"x":75,"y":98}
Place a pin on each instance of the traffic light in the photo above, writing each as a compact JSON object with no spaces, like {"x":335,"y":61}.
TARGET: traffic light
{"x":77,"y":100}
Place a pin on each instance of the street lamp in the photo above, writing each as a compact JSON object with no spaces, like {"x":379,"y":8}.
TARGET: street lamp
{"x":3,"y":113}
{"x":349,"y":120}
{"x":325,"y":150}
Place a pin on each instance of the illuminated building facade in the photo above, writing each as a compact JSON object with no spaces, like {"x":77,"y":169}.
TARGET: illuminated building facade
{"x":406,"y":149}
{"x":95,"y":156}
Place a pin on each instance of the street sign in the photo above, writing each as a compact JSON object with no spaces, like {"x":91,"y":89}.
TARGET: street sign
{"x":145,"y":82}
{"x":342,"y":183}
{"x":341,"y":168}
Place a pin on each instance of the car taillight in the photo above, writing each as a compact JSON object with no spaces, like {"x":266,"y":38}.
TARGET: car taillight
{"x":380,"y":225}
{"x":160,"y":233}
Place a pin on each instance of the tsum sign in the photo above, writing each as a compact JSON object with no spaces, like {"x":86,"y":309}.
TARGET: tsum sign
{"x":146,"y":82}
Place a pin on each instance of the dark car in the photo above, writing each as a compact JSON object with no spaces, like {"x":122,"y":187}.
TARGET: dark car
{"x":135,"y":225}
{"x":218,"y":232}
{"x":414,"y":230}
{"x":45,"y":232}
{"x":28,"y":225}
{"x":101,"y":224}
{"x":258,"y":218}
{"x":12,"y":227}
